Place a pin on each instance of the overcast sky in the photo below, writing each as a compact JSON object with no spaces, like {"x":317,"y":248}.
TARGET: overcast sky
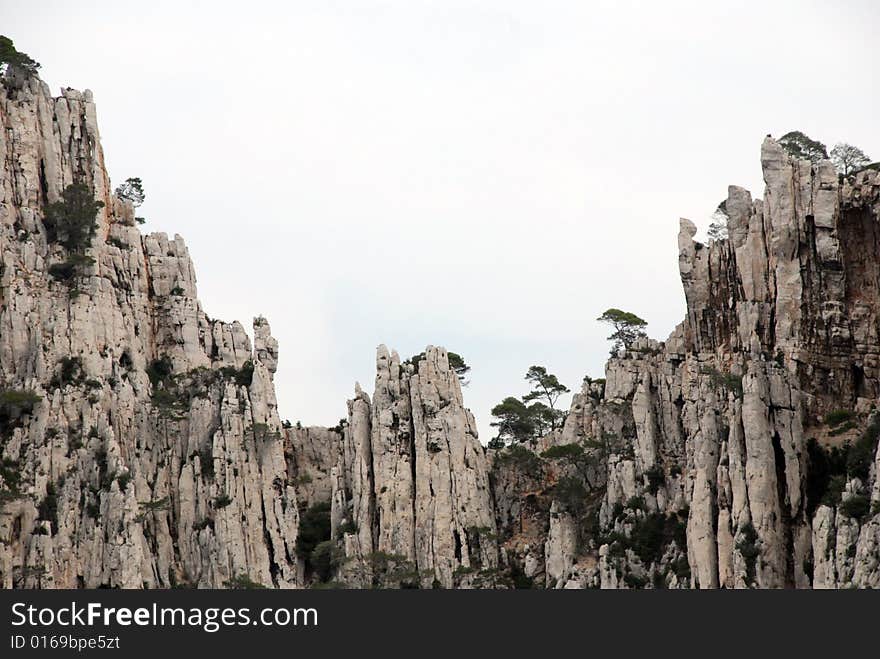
{"x":487,"y":176}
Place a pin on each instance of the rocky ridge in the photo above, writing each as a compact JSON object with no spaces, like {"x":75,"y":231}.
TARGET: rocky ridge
{"x":141,"y":443}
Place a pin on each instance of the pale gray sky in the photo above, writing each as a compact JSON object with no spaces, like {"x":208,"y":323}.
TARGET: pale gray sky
{"x":488,"y":176}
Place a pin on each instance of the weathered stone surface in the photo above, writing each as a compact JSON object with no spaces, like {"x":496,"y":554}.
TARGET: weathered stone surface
{"x":140,"y":483}
{"x":154,"y":454}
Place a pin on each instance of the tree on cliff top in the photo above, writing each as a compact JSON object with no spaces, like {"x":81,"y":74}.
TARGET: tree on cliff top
{"x":800,"y":146}
{"x":545,"y":387}
{"x":456,"y":363}
{"x":132,"y":190}
{"x":848,"y":158}
{"x":515,"y":422}
{"x":627,"y":328}
{"x":531,"y":417}
{"x":10,"y":57}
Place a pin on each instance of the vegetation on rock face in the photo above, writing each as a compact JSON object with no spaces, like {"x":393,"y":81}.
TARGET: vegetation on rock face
{"x":848,"y":158}
{"x":627,"y":328}
{"x":131,"y":190}
{"x":521,"y":459}
{"x":10,"y":57}
{"x":514,"y":421}
{"x":456,"y":363}
{"x":747,"y":546}
{"x":15,"y":403}
{"x":314,"y":528}
{"x":529,"y":418}
{"x":799,"y":145}
{"x":242,"y":582}
{"x":71,"y":220}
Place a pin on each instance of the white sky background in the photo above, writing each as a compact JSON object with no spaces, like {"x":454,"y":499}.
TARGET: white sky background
{"x":487,"y":176}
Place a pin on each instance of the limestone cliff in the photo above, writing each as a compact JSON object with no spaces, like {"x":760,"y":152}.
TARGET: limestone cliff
{"x":141,"y":443}
{"x":151,"y":456}
{"x":742,"y":452}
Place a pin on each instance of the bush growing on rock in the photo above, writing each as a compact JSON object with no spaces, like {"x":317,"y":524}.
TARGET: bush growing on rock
{"x":131,"y":190}
{"x":71,"y":220}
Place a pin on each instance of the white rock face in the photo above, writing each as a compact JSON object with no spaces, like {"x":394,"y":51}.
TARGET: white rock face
{"x":114,"y":479}
{"x":715,"y":440}
{"x":413,"y":479}
{"x":141,"y":445}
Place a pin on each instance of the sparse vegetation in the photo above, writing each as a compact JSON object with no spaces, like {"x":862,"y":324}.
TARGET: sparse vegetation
{"x":131,"y":190}
{"x":747,"y":546}
{"x":856,"y":506}
{"x":861,"y":453}
{"x":799,"y":145}
{"x":836,"y":417}
{"x":13,"y":59}
{"x":627,"y":328}
{"x":71,"y":220}
{"x":14,"y":404}
{"x":848,"y":158}
{"x":728,"y":381}
{"x":520,"y":458}
{"x":314,"y":528}
{"x":529,"y":418}
{"x":325,"y":559}
{"x":48,"y":508}
{"x":242,"y":582}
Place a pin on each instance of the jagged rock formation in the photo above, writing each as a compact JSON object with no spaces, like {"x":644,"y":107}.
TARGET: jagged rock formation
{"x":743,"y":450}
{"x":141,"y":444}
{"x":152,"y":456}
{"x":412,"y":479}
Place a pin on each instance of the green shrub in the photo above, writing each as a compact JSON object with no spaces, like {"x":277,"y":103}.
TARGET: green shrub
{"x":314,"y":528}
{"x":155,"y":505}
{"x":656,"y":478}
{"x":71,"y":220}
{"x":836,"y":417}
{"x":123,"y":480}
{"x":242,"y":582}
{"x":856,"y":506}
{"x":825,"y":475}
{"x":159,"y":371}
{"x":241,"y":376}
{"x":325,"y":559}
{"x":222,"y":501}
{"x":571,"y":493}
{"x":10,"y":473}
{"x":634,"y":581}
{"x":747,"y":546}
{"x":14,"y":404}
{"x":70,"y":372}
{"x":728,"y":381}
{"x":861,"y":453}
{"x":521,"y":459}
{"x":48,"y":508}
{"x":347,"y":527}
